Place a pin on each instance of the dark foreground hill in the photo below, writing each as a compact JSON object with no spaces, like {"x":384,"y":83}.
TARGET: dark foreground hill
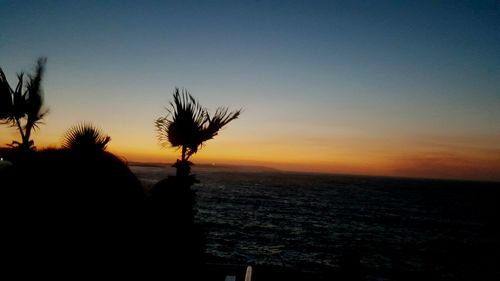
{"x":72,"y":214}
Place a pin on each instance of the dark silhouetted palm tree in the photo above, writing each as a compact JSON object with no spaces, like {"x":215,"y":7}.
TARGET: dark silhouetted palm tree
{"x":188,"y":125}
{"x":22,"y":107}
{"x":85,"y":137}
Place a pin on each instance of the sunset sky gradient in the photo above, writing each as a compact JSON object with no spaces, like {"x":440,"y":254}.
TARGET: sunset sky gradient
{"x":398,"y":88}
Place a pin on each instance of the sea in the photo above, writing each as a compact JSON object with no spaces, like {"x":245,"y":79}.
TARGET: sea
{"x":309,"y":222}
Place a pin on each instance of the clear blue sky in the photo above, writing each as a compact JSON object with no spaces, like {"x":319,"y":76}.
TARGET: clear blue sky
{"x":337,"y":83}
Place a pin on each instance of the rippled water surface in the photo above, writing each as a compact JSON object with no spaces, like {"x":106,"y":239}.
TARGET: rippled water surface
{"x":308,"y":221}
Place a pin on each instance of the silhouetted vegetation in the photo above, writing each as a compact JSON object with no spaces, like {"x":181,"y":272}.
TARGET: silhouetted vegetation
{"x":78,"y":210}
{"x":85,"y":137}
{"x":188,"y":125}
{"x":83,"y":207}
{"x":22,"y":107}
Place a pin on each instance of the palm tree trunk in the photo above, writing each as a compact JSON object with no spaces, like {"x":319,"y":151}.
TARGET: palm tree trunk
{"x":182,"y":166}
{"x":27,"y":135}
{"x":183,"y":157}
{"x":20,"y":129}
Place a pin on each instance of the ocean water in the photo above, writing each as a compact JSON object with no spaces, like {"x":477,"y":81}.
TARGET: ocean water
{"x":309,"y":221}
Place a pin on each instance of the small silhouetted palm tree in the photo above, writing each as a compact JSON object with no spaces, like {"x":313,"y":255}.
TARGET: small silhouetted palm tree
{"x":22,"y":107}
{"x":85,"y":137}
{"x":188,"y":125}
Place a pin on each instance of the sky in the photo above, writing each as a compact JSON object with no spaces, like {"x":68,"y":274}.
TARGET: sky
{"x":395,"y":88}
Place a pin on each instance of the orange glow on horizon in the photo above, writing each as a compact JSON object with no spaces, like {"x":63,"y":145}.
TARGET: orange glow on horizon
{"x":390,"y":163}
{"x":457,"y":158}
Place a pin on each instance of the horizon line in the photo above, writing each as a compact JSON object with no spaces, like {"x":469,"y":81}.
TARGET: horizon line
{"x":273,"y":169}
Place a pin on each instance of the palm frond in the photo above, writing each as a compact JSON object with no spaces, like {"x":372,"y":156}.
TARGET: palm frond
{"x":5,"y":97}
{"x":161,"y":125}
{"x":214,"y":124}
{"x":35,"y":125}
{"x":220,"y":119}
{"x":184,"y":119}
{"x":19,"y":103}
{"x":188,"y":125}
{"x":34,"y":93}
{"x":12,"y":103}
{"x":85,"y":137}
